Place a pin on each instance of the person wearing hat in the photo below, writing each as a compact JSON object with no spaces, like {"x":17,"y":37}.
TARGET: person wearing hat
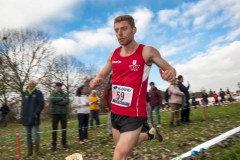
{"x":59,"y":108}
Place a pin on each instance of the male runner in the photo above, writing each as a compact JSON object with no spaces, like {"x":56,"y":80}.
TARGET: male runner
{"x":130,"y":65}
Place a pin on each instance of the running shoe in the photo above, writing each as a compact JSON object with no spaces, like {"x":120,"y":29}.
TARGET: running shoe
{"x":156,"y":135}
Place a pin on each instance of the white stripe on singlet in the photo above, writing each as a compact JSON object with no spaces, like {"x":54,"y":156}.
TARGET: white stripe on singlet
{"x":146,"y":71}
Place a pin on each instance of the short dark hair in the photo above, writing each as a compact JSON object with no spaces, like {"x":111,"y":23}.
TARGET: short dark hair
{"x":58,"y":84}
{"x":151,"y":83}
{"x":127,"y":18}
{"x":179,"y":77}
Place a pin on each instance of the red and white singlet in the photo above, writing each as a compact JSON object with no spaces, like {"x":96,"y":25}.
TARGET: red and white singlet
{"x":129,"y":83}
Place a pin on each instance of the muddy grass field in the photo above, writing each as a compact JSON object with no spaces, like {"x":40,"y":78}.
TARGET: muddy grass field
{"x":177,"y":140}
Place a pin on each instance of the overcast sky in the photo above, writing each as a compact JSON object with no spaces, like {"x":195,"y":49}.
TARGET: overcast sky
{"x":201,"y":39}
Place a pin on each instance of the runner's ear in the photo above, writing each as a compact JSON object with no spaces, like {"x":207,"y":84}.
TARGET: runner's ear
{"x":134,"y":30}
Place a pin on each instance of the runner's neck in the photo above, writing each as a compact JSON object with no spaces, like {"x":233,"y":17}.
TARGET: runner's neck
{"x":129,"y":49}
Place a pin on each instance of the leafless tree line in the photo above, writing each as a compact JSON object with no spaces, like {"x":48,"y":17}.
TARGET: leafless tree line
{"x":28,"y":54}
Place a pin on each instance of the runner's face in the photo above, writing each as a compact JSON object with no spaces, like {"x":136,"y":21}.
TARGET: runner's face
{"x":124,"y":32}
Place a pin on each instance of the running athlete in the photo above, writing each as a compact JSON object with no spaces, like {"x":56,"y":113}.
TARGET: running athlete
{"x":130,"y":65}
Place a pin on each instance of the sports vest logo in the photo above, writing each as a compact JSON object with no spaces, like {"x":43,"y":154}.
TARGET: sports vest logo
{"x":134,"y":66}
{"x":122,"y":89}
{"x":118,"y":61}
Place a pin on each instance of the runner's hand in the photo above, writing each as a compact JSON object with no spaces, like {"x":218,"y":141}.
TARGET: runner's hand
{"x":168,"y":75}
{"x":95,"y":82}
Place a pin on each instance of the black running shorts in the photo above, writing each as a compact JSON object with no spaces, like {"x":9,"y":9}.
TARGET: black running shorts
{"x":127,"y":123}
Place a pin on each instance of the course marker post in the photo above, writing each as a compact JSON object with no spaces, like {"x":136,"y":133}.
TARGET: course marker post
{"x":204,"y":113}
{"x":18,"y":145}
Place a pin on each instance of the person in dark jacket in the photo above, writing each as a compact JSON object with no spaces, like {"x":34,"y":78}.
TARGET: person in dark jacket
{"x":155,"y":103}
{"x":59,"y":105}
{"x":33,"y":104}
{"x":204,"y":98}
{"x":222,"y":96}
{"x":107,"y":98}
{"x":4,"y":111}
{"x":185,"y":112}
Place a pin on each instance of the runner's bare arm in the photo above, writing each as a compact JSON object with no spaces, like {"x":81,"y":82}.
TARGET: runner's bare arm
{"x":102,"y":74}
{"x":152,"y":55}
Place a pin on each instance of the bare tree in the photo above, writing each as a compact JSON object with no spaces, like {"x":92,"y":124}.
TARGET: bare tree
{"x":70,"y":71}
{"x":24,"y":55}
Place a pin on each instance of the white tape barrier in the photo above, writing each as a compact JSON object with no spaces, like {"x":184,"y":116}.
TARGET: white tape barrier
{"x":208,"y":144}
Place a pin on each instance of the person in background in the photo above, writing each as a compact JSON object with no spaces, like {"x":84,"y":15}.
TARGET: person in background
{"x":155,"y":103}
{"x":210,"y":93}
{"x":59,"y":105}
{"x":81,"y":103}
{"x":229,"y":95}
{"x":33,"y":104}
{"x":107,"y":98}
{"x":185,"y":112}
{"x":215,"y":96}
{"x":204,"y":98}
{"x":94,"y":108}
{"x":175,"y":101}
{"x":194,"y":102}
{"x":222,"y":95}
{"x":166,"y":97}
{"x":4,"y":110}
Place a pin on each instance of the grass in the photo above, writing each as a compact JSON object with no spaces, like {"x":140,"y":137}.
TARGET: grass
{"x":177,"y":140}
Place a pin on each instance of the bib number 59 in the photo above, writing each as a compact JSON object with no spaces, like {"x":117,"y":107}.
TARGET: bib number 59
{"x":120,"y":95}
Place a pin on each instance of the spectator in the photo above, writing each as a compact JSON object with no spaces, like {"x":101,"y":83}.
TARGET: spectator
{"x":229,"y":95}
{"x":204,"y":98}
{"x":166,"y":97}
{"x":210,"y":93}
{"x":94,"y":108}
{"x":215,"y":96}
{"x":81,"y":103}
{"x":175,"y":101}
{"x":33,"y":104}
{"x":107,"y":98}
{"x":194,"y":102}
{"x":222,"y":95}
{"x":59,"y":105}
{"x":4,"y":111}
{"x":155,"y":103}
{"x":185,"y":108}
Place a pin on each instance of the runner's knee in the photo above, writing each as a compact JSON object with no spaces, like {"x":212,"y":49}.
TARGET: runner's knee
{"x":120,"y":152}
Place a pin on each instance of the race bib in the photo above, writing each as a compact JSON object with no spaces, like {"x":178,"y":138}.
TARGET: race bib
{"x":122,"y":95}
